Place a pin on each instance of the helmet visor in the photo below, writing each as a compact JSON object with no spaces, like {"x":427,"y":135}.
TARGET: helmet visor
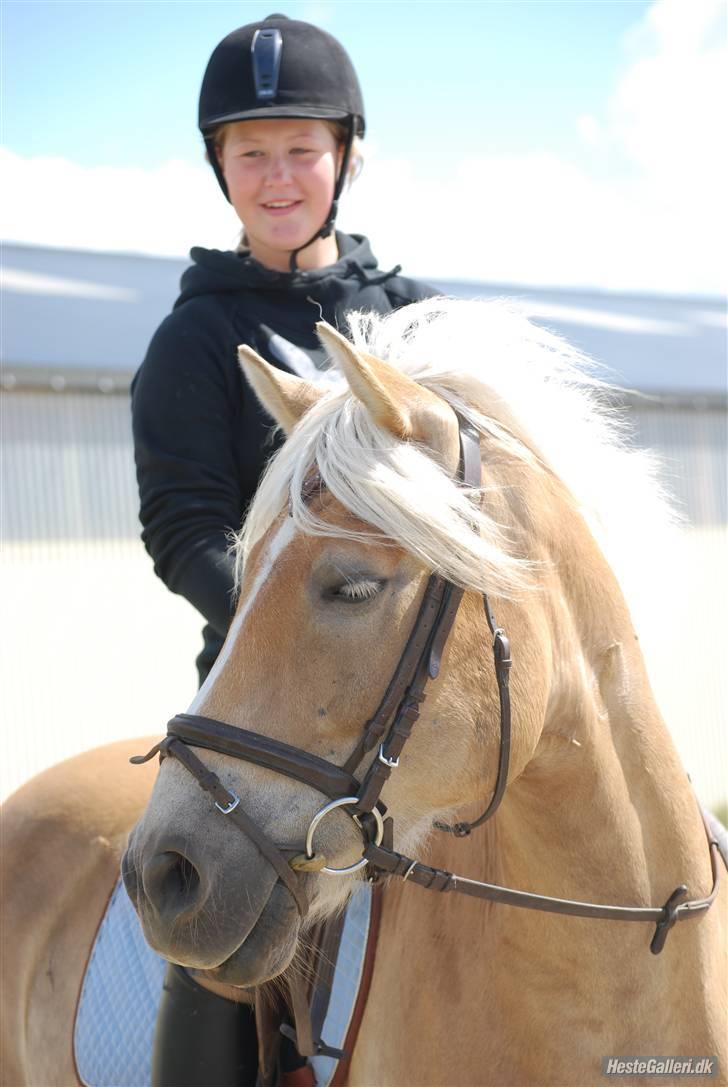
{"x":315,"y":113}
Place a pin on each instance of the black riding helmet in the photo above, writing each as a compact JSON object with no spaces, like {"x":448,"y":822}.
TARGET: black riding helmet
{"x":281,"y":67}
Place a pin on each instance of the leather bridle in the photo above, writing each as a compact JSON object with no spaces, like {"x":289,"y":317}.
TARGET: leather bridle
{"x":388,"y":731}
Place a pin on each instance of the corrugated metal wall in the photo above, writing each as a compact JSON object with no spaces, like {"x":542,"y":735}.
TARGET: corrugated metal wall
{"x":68,"y":469}
{"x":97,"y":648}
{"x":691,"y":440}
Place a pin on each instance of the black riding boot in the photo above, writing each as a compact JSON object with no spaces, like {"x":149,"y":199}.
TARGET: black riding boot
{"x":202,"y":1040}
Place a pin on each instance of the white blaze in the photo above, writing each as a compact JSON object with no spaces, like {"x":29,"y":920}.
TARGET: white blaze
{"x":278,"y":544}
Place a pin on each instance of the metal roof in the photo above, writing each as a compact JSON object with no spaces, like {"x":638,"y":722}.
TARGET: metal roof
{"x":83,"y":317}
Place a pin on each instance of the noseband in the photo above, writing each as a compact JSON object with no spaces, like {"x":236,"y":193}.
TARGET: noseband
{"x":388,"y":731}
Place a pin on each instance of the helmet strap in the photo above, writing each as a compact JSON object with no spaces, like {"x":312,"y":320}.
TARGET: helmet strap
{"x":328,"y":225}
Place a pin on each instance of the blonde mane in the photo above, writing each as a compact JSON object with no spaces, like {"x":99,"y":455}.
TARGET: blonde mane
{"x":523,"y":386}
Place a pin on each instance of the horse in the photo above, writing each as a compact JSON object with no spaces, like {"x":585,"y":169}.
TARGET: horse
{"x":365,"y":504}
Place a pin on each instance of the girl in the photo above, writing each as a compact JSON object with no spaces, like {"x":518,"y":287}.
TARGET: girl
{"x":280,"y":112}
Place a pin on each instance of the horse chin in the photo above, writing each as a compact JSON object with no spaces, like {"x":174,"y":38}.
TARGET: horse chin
{"x":269,"y":947}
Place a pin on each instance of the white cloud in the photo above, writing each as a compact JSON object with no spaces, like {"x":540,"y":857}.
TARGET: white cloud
{"x":668,"y":112}
{"x":319,"y":12}
{"x":643,"y":211}
{"x":589,"y":129}
{"x":50,"y":201}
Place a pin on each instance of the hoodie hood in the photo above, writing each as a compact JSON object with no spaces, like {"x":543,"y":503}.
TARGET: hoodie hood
{"x":215,"y":271}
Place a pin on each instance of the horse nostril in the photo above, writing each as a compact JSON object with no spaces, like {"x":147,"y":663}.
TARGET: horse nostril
{"x":172,"y":884}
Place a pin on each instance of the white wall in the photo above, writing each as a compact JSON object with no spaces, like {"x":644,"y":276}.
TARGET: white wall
{"x":97,"y":649}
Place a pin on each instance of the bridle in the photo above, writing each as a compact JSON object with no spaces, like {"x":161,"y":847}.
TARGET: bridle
{"x":388,"y":731}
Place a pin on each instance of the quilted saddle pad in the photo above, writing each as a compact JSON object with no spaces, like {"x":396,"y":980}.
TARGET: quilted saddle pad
{"x":121,"y":990}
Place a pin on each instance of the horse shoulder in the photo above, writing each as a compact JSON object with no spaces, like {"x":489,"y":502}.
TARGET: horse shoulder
{"x":63,"y":834}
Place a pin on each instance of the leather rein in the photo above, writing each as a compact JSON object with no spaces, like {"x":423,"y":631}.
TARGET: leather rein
{"x":388,"y":730}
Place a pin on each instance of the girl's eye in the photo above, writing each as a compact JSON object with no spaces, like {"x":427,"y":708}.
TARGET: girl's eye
{"x":302,"y":150}
{"x":358,"y":592}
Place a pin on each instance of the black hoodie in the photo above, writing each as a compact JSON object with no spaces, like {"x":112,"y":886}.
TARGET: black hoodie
{"x":201,"y":439}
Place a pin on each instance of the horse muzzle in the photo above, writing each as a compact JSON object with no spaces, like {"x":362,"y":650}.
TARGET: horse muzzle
{"x":203,"y":909}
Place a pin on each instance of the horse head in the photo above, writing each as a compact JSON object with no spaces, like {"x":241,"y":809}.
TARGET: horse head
{"x":367,"y":513}
{"x":356,"y":512}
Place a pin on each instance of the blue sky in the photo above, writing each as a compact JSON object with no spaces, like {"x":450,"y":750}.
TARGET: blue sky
{"x":116,"y":83}
{"x":557,"y":92}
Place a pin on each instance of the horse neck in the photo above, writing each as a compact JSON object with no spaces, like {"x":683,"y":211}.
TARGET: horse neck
{"x":604,"y":802}
{"x":603,"y":813}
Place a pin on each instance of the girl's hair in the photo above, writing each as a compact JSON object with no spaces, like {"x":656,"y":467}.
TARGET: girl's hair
{"x":340,"y":134}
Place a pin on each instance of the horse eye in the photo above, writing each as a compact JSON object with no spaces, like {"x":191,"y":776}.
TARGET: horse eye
{"x":358,"y":592}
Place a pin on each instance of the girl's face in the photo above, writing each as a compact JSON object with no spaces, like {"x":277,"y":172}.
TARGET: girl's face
{"x":281,"y":175}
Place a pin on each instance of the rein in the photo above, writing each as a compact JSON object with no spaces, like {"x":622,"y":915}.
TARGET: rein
{"x":390,"y":728}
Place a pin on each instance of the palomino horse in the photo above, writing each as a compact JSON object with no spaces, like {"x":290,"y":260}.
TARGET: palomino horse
{"x":359,"y":507}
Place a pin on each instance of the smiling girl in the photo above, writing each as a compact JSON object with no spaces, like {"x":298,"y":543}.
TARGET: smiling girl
{"x":280,"y":112}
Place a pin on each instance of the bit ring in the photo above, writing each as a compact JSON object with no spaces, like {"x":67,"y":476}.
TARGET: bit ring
{"x":331,"y":806}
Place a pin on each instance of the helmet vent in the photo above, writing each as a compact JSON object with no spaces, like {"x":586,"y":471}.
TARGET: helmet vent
{"x":266,"y":48}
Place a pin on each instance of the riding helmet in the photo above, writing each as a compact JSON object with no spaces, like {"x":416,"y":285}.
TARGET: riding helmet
{"x":279,"y":67}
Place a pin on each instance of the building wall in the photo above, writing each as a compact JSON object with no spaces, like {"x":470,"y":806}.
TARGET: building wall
{"x":690,"y":438}
{"x":97,"y":648}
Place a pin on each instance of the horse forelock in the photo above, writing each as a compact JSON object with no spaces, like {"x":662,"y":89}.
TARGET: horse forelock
{"x":529,"y":393}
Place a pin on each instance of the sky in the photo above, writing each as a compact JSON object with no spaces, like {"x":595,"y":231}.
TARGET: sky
{"x":577,"y":143}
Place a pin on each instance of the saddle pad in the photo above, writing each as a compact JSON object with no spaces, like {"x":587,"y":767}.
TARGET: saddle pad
{"x":117,"y":1010}
{"x":719,"y":832}
{"x":347,"y":979}
{"x":122,"y":988}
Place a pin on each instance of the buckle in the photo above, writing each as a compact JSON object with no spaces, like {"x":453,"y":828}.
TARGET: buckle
{"x":391,"y":763}
{"x":231,"y":806}
{"x":410,"y":870}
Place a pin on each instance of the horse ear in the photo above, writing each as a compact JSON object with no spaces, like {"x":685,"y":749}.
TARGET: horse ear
{"x":397,"y":403}
{"x":283,"y":395}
